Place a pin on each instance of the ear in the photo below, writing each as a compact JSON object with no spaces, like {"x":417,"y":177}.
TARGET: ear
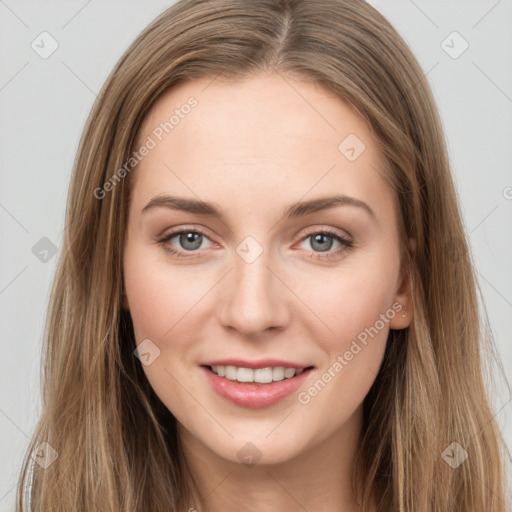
{"x":402,"y":303}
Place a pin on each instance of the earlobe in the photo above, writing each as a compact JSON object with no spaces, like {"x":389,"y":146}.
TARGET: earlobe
{"x":402,"y":318}
{"x":403,"y":304}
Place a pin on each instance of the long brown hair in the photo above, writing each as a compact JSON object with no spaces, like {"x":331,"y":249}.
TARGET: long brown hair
{"x":116,"y":442}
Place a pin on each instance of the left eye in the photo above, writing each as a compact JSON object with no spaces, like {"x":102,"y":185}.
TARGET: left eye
{"x":323,"y":242}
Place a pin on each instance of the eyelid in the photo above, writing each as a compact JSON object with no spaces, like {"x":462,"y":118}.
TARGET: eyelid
{"x":185,"y":227}
{"x":326,"y":229}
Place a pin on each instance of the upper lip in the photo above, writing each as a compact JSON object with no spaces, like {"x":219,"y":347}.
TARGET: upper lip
{"x":262,"y":363}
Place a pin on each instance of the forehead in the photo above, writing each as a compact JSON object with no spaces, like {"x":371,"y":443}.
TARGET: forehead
{"x":269,"y":109}
{"x":270,"y":134}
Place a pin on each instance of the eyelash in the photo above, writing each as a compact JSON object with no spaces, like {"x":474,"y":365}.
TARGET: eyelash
{"x":345,"y":243}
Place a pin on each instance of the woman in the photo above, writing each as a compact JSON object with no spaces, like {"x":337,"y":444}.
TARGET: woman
{"x":265,"y":301}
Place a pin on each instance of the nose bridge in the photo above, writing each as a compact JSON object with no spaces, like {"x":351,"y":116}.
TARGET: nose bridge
{"x":254,"y":298}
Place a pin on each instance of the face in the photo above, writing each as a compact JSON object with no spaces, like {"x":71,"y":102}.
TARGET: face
{"x":261,"y":287}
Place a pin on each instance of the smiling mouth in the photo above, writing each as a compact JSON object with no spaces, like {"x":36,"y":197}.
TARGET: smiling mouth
{"x":267,"y":375}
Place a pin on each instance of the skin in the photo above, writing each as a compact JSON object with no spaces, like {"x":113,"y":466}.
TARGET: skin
{"x":253,"y":147}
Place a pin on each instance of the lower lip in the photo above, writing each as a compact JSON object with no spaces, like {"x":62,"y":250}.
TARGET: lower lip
{"x":254,"y":396}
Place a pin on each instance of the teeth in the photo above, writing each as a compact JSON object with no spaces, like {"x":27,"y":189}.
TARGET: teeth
{"x":289,"y":372}
{"x":263,"y":375}
{"x":260,"y":375}
{"x":244,"y":375}
{"x":278,"y":373}
{"x":230,"y":372}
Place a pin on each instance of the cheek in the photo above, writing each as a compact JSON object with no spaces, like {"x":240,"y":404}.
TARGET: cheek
{"x":357,"y":307}
{"x":161,"y":298}
{"x":355,"y":303}
{"x":164,"y":303}
{"x":353,"y":298}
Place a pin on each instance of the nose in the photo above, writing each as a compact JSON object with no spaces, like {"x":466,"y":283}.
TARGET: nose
{"x":253,"y":298}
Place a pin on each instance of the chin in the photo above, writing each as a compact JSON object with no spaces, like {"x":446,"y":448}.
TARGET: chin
{"x":255,"y":448}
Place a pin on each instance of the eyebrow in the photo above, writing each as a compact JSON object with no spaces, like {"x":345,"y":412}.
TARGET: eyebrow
{"x":295,"y":210}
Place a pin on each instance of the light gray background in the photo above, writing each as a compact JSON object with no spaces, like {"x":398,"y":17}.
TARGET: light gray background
{"x":44,"y":104}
